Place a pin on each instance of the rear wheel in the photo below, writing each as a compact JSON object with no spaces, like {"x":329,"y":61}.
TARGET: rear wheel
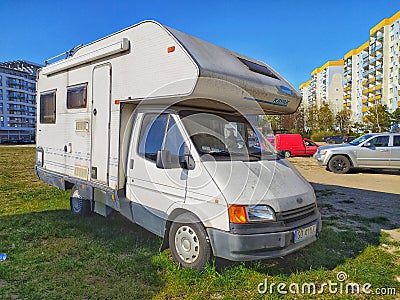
{"x":287,"y":154}
{"x":188,"y":241}
{"x":339,"y":164}
{"x":79,"y":205}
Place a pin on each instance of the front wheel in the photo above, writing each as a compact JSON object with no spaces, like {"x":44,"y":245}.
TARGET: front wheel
{"x":78,"y":205}
{"x":189,"y":244}
{"x":339,"y":164}
{"x":287,"y":154}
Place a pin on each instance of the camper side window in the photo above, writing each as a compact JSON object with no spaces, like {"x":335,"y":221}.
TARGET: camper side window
{"x":48,"y":108}
{"x":76,"y":96}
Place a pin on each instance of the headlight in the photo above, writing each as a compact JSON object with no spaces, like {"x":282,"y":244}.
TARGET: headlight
{"x":260,"y":213}
{"x":242,"y":214}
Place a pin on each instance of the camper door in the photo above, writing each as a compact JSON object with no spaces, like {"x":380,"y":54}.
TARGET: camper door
{"x":100,"y":130}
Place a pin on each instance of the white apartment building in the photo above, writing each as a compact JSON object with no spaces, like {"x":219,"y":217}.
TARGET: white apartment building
{"x":356,"y":63}
{"x":325,"y":86}
{"x":17,"y":101}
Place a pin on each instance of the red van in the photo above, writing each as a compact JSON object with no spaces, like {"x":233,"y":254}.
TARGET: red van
{"x":295,"y":145}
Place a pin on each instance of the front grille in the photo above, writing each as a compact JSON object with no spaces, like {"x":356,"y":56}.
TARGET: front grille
{"x":293,"y":215}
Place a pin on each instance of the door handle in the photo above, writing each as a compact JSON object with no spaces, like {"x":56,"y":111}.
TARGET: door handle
{"x":131,"y":164}
{"x":383,"y":150}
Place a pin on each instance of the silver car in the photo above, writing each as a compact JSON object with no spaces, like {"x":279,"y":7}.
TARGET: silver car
{"x":375,"y":150}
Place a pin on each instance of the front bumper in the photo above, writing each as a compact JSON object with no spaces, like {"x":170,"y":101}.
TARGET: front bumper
{"x":321,"y":159}
{"x":245,"y":247}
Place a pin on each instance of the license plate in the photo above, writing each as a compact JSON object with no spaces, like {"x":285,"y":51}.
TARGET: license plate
{"x":304,"y":233}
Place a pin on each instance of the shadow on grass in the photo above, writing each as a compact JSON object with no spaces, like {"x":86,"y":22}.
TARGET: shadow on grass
{"x":59,"y":255}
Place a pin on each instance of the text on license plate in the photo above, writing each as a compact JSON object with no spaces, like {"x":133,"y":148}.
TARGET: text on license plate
{"x":304,"y":233}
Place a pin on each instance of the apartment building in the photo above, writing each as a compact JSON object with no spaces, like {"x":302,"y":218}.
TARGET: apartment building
{"x":371,"y":74}
{"x":325,"y":86}
{"x":17,"y":101}
{"x":356,"y":64}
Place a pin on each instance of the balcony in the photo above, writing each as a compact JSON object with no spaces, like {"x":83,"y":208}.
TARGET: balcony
{"x":371,"y":99}
{"x":378,"y":97}
{"x":365,"y":109}
{"x":364,"y":101}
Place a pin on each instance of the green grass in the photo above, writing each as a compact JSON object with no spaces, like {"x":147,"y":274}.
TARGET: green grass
{"x":61,"y":256}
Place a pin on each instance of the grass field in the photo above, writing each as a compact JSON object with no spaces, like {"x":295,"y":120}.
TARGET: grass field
{"x":53,"y":254}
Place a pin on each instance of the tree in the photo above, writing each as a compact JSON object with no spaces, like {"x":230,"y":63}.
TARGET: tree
{"x":325,"y":118}
{"x":378,"y":118}
{"x":395,"y":116}
{"x":343,"y":120}
{"x":311,"y":122}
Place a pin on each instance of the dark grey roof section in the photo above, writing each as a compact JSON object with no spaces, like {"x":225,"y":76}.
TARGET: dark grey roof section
{"x":255,"y":77}
{"x":22,"y":66}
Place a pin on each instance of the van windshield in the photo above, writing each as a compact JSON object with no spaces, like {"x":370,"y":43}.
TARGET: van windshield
{"x":226,"y":137}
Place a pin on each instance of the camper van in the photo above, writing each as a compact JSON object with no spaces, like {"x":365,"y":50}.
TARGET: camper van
{"x":156,"y":124}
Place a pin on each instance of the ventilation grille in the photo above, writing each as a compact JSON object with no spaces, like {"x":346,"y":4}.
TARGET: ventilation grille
{"x":81,"y":172}
{"x":82,"y":126}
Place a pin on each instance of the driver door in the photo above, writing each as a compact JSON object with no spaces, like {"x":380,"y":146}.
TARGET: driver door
{"x":150,"y":189}
{"x":375,"y":152}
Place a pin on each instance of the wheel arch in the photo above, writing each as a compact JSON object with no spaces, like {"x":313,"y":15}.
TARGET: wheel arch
{"x":171,"y":217}
{"x":342,"y":154}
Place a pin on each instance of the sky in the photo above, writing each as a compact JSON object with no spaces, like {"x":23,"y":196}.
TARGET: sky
{"x":294,"y":37}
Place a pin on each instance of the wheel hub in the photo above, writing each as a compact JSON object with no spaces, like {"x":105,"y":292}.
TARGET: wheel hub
{"x":187,"y":244}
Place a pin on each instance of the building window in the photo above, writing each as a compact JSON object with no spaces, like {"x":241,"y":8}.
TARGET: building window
{"x":48,"y":108}
{"x":392,"y":38}
{"x":76,"y":96}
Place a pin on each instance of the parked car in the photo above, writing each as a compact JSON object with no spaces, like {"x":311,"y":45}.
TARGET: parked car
{"x":375,"y":150}
{"x":348,"y":138}
{"x":334,"y":139}
{"x":294,"y":145}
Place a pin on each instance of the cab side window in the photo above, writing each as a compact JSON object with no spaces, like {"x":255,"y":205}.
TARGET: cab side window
{"x":380,"y":141}
{"x":152,"y":135}
{"x":160,"y":132}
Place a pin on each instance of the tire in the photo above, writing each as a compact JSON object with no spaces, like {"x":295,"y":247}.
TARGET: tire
{"x":339,"y":164}
{"x":189,"y":243}
{"x":78,"y":205}
{"x":287,"y":154}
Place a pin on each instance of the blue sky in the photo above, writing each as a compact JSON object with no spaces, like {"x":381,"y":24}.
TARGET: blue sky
{"x":294,"y":37}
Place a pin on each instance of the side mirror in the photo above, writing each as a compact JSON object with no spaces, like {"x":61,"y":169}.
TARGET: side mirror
{"x":188,"y":162}
{"x":368,"y":144}
{"x":163,"y":160}
{"x":281,"y":154}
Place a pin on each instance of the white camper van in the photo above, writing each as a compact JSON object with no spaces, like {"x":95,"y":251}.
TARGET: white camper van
{"x":152,"y":123}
